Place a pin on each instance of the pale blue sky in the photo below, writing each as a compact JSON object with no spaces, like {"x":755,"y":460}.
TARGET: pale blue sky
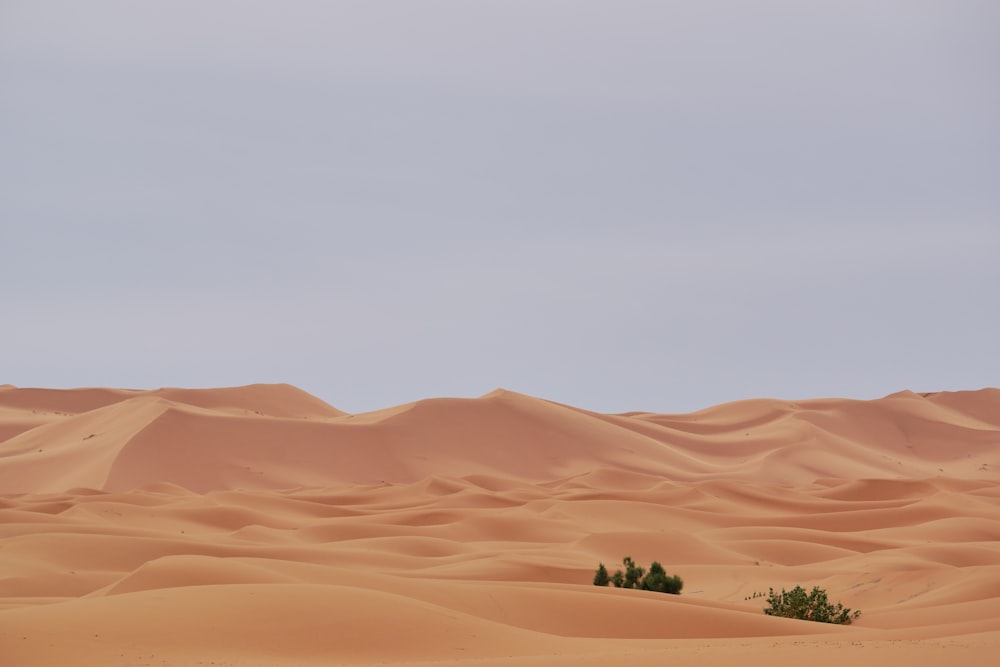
{"x":618,"y":205}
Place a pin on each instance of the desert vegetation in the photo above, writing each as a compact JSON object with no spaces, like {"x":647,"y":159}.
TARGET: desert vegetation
{"x":636,"y":576}
{"x":812,"y":606}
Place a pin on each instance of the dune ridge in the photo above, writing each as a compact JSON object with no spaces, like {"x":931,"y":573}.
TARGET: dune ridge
{"x":274,"y":437}
{"x":260,"y":526}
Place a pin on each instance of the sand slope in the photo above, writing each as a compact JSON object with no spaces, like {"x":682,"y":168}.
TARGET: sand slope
{"x":260,"y":526}
{"x":276,"y":437}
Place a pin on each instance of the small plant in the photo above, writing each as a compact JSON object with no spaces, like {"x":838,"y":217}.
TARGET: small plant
{"x":658,"y":580}
{"x":633,"y":573}
{"x":635,"y":576}
{"x":812,"y":606}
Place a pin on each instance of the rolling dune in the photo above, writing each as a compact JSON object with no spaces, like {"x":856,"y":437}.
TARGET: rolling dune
{"x":259,"y":526}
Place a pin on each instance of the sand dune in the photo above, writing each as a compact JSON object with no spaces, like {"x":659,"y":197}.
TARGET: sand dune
{"x":278,"y":437}
{"x":259,"y":526}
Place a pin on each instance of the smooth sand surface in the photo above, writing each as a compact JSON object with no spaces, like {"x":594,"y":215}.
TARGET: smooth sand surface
{"x":259,"y":526}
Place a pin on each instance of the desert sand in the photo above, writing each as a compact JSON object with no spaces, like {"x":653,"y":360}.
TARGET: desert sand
{"x":259,"y":526}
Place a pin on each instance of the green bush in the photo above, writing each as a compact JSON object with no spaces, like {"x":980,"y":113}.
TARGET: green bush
{"x":635,"y":576}
{"x":658,"y":580}
{"x":633,"y":573}
{"x":812,"y":606}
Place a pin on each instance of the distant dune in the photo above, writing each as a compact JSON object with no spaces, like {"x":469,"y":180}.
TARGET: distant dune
{"x":260,"y":526}
{"x":278,"y":437}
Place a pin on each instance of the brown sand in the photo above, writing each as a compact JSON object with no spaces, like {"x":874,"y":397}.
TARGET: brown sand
{"x":260,"y":526}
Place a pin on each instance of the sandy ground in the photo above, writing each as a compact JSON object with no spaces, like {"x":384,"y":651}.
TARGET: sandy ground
{"x":258,"y":526}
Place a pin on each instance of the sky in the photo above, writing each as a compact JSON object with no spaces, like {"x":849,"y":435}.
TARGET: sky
{"x":619,"y":205}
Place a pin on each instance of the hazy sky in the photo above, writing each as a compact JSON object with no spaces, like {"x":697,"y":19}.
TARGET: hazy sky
{"x":618,"y":205}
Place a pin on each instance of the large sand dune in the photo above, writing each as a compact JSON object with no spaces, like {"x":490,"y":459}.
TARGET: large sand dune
{"x":260,"y":526}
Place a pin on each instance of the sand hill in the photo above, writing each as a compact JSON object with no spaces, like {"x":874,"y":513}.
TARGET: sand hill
{"x":260,"y":526}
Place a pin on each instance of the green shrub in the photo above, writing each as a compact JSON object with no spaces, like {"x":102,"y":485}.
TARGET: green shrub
{"x":658,"y":580}
{"x":636,"y":576}
{"x":633,"y":573}
{"x":812,"y":606}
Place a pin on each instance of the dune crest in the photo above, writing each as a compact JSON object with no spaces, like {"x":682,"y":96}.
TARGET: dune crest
{"x":276,"y":436}
{"x":260,"y":526}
